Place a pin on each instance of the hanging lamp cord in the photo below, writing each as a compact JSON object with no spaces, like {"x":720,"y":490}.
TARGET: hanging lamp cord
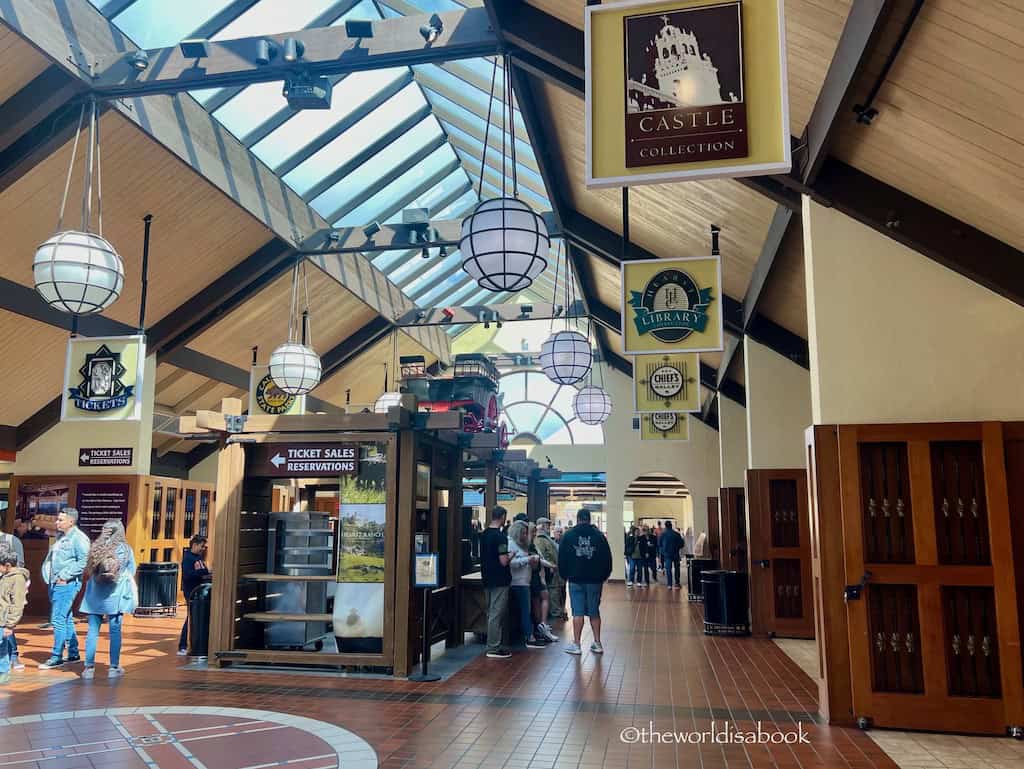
{"x":487,"y":130}
{"x":71,"y":168}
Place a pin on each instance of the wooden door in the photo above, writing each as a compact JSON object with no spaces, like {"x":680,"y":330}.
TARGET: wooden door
{"x":781,"y":596}
{"x":933,"y":636}
{"x":163,"y":523}
{"x":733,"y":533}
{"x":713,"y":547}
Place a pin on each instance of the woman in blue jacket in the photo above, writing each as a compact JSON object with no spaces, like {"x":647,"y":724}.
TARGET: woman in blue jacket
{"x":109,"y":592}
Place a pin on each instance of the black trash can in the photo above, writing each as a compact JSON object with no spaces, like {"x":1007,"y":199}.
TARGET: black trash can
{"x":158,"y":590}
{"x":726,"y":602}
{"x":694,"y":568}
{"x":199,"y":621}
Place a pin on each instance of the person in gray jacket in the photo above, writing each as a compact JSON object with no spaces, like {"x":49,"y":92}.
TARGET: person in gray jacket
{"x":522,"y":565}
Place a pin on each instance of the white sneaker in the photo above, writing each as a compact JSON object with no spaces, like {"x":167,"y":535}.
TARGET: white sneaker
{"x":182,"y":652}
{"x":629,"y":584}
{"x":573,"y":649}
{"x":596,"y":648}
{"x":115,"y":672}
{"x":89,"y":673}
{"x":546,"y":632}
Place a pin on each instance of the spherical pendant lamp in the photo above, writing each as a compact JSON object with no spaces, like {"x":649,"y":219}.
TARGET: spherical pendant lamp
{"x":504,"y":245}
{"x":592,"y":405}
{"x":78,"y":272}
{"x":386,"y":401}
{"x":566,"y":357}
{"x":295,"y":368}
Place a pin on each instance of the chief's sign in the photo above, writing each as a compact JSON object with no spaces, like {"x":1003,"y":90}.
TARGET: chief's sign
{"x":666,"y":382}
{"x":672,"y":305}
{"x":103,"y":378}
{"x":691,"y":89}
{"x":665,"y":426}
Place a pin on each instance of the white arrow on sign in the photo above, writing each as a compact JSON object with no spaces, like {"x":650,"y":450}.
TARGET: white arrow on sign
{"x":85,"y":457}
{"x":277,"y":460}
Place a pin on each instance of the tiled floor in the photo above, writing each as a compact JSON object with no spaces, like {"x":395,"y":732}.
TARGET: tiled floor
{"x":913,"y":750}
{"x":541,"y":710}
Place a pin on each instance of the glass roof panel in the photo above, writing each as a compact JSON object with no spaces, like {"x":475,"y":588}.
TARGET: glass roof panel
{"x":149,"y":24}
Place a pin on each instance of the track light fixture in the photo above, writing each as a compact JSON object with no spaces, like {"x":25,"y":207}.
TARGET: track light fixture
{"x":293,"y":50}
{"x":425,"y":253}
{"x":358,"y":28}
{"x":432,"y":29}
{"x":371,"y":229}
{"x":195,"y":48}
{"x":442,"y":251}
{"x":266,"y":51}
{"x":139,"y":60}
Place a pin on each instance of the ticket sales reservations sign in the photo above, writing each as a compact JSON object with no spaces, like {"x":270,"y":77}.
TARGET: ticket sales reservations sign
{"x":302,"y":460}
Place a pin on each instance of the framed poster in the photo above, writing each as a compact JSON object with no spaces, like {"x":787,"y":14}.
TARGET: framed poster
{"x":666,"y":382}
{"x":425,"y":571}
{"x":103,"y":378}
{"x":665,"y":426}
{"x":672,"y":305}
{"x":683,"y":90}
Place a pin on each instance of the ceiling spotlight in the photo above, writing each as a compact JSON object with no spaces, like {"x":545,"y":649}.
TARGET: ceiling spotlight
{"x":432,"y":29}
{"x":358,"y":28}
{"x":138,"y":60}
{"x":425,"y":253}
{"x":442,"y":251}
{"x":195,"y":48}
{"x":265,"y":52}
{"x":371,"y":229}
{"x":293,"y":50}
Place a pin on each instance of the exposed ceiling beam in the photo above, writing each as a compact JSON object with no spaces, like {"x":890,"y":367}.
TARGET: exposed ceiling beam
{"x":327,"y":51}
{"x":341,"y":354}
{"x":782,"y":219}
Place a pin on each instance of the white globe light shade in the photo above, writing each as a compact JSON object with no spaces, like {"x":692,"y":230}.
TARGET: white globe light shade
{"x":78,"y":272}
{"x":386,"y":401}
{"x":295,"y":368}
{"x":592,"y":405}
{"x":566,"y":357}
{"x":504,"y":245}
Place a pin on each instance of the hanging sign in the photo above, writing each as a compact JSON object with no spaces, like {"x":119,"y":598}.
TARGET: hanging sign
{"x":302,"y":460}
{"x":265,"y":397}
{"x":666,"y":382}
{"x":691,"y":89}
{"x":672,"y":305}
{"x":665,"y":426}
{"x":103,"y":378}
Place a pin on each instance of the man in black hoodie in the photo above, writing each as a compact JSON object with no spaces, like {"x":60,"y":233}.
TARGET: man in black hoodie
{"x":671,"y":543}
{"x":585,"y":562}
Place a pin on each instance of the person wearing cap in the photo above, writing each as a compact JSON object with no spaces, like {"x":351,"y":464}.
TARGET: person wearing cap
{"x":548,"y":549}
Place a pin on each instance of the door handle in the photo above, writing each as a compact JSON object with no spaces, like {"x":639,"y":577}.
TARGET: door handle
{"x":764,"y":563}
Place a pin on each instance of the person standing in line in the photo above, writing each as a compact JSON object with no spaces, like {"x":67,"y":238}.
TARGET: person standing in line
{"x":548,"y":549}
{"x":671,"y":544}
{"x":13,"y":543}
{"x":110,"y":592}
{"x":194,"y":572}
{"x":496,"y":576}
{"x":649,"y":555}
{"x":522,"y":565}
{"x":540,"y":595}
{"x":585,"y":562}
{"x":658,"y":532}
{"x":62,"y":572}
{"x":634,"y":556}
{"x":13,"y":596}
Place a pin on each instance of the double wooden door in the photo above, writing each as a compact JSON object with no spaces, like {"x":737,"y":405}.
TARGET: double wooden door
{"x":934,"y":634}
{"x":781,"y":596}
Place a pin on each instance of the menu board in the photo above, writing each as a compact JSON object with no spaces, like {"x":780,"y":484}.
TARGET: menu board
{"x":98,"y":503}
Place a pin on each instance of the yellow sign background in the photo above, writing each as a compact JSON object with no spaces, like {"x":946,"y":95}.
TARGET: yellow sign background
{"x":681,"y":432}
{"x":765,"y":93}
{"x":133,"y":353}
{"x":706,"y":272}
{"x":646,"y":400}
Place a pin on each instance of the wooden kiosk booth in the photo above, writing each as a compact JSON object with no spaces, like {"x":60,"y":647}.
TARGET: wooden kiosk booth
{"x":329,"y":579}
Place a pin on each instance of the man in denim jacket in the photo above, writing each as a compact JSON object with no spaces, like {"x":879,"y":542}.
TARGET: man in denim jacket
{"x":62,"y":572}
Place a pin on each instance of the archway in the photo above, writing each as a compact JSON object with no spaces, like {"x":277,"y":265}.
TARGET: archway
{"x":654,"y":497}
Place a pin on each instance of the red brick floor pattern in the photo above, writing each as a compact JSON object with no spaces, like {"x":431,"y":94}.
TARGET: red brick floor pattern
{"x":542,"y":709}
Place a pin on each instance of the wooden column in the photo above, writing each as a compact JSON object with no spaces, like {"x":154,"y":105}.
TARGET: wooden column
{"x":536,"y":497}
{"x":405,"y":523}
{"x":828,"y":573}
{"x":227,"y":519}
{"x":491,"y":489}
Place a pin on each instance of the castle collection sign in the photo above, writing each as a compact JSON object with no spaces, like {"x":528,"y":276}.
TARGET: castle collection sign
{"x":666,"y":383}
{"x":691,"y":89}
{"x":684,"y":86}
{"x":672,"y":305}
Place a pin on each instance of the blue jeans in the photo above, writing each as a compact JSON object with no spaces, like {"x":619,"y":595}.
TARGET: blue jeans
{"x":672,"y":565}
{"x":521,"y":594}
{"x":7,"y":649}
{"x":638,"y":571}
{"x":62,"y":597}
{"x":95,"y":621}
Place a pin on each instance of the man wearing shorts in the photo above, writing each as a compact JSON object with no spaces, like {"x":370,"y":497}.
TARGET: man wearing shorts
{"x":585,"y":562}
